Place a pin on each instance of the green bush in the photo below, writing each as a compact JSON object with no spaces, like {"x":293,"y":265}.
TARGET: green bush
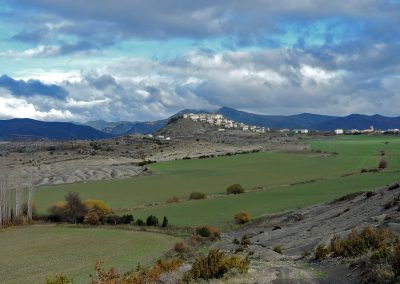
{"x":139,"y":222}
{"x":127,"y":219}
{"x":277,"y":249}
{"x":113,"y":219}
{"x":197,"y":196}
{"x":152,"y":221}
{"x":235,"y":189}
{"x":208,"y":231}
{"x":165,"y":222}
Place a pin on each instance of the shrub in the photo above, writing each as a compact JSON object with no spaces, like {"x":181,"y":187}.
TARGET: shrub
{"x":127,"y":219}
{"x":245,"y":241}
{"x":179,"y":247}
{"x":277,"y":249}
{"x":197,"y":196}
{"x":75,"y":210}
{"x":215,"y":265}
{"x":92,"y":218}
{"x":113,"y":219}
{"x":57,"y":211}
{"x":208,"y":231}
{"x":359,"y":243}
{"x":104,"y":276}
{"x":394,"y":186}
{"x":235,"y":189}
{"x":59,"y":279}
{"x":242,"y":218}
{"x":173,"y":199}
{"x":139,"y":222}
{"x":165,"y":222}
{"x":369,"y":194}
{"x":98,"y":206}
{"x":152,"y":221}
{"x":321,"y":252}
{"x":382,"y":164}
{"x":396,"y":259}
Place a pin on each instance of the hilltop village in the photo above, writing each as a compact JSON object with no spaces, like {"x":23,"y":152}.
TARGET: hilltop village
{"x":224,"y":123}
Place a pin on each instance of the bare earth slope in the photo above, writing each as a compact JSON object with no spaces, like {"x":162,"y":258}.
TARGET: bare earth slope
{"x":302,"y":230}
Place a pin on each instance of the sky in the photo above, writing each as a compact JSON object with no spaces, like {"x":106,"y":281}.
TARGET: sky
{"x":134,"y":60}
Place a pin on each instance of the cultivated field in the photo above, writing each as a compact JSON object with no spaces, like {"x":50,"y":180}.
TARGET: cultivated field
{"x":31,"y":253}
{"x":275,"y":181}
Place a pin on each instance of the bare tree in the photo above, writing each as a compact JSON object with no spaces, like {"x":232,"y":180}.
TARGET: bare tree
{"x":7,"y":201}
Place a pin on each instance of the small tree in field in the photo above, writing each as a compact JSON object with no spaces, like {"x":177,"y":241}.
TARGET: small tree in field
{"x":165,"y":222}
{"x":152,"y":221}
{"x":75,"y":210}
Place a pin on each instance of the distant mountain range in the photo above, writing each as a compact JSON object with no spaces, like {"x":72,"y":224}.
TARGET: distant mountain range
{"x":312,"y":121}
{"x":27,"y":128}
{"x":298,"y":121}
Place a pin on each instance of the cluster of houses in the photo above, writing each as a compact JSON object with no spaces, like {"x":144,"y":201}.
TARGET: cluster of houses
{"x":223,"y":123}
{"x":366,"y":131}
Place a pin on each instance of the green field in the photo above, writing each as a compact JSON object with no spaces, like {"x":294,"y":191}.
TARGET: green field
{"x":285,"y":178}
{"x":28,"y":254}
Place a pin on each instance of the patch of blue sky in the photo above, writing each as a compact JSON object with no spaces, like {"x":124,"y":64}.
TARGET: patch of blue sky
{"x":318,"y":33}
{"x":167,"y":49}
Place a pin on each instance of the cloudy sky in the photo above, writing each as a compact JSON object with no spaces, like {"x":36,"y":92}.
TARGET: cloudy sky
{"x":143,"y":60}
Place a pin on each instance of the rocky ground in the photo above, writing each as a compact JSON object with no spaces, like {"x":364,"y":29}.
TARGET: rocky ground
{"x":298,"y":233}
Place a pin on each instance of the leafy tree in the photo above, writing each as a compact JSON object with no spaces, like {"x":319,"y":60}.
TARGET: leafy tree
{"x":152,"y":221}
{"x":75,"y":210}
{"x":165,"y":222}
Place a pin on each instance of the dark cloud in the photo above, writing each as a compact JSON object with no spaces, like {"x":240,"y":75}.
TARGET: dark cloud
{"x":31,"y":88}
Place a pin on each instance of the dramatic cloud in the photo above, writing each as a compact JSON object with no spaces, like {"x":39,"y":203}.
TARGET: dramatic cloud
{"x":31,"y":88}
{"x":141,"y":60}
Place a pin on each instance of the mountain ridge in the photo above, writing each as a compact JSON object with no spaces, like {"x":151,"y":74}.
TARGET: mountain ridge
{"x":100,"y":129}
{"x":26,"y":128}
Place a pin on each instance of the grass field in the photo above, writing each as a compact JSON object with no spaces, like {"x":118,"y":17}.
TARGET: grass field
{"x":28,"y":254}
{"x":280,"y":174}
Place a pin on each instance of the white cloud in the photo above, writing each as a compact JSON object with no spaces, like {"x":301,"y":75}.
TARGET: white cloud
{"x":40,"y":50}
{"x":11,"y":107}
{"x":85,"y":104}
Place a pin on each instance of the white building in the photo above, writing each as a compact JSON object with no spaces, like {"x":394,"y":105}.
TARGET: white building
{"x":300,"y":131}
{"x":339,"y":131}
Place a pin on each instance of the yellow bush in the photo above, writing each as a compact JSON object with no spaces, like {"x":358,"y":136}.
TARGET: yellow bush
{"x":242,"y":218}
{"x":58,"y":279}
{"x":358,"y":243}
{"x":215,"y":265}
{"x":97,"y":206}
